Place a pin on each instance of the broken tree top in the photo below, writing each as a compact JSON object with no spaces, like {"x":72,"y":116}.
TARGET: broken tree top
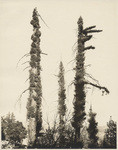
{"x":86,"y":30}
{"x":83,"y":33}
{"x":82,"y":38}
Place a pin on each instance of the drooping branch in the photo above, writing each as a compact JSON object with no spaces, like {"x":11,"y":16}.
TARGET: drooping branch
{"x":25,"y":62}
{"x":74,"y":45}
{"x":90,"y":76}
{"x":70,"y":70}
{"x":71,"y":84}
{"x":42,"y":19}
{"x":22,"y":58}
{"x":21,"y":95}
{"x":27,"y":79}
{"x":71,"y":61}
{"x":26,"y":68}
{"x":99,"y":87}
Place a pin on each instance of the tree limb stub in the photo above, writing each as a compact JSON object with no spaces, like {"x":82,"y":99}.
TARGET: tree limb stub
{"x":88,"y":65}
{"x":89,"y":28}
{"x":44,"y":53}
{"x":99,"y":87}
{"x":89,"y":47}
{"x":92,"y":31}
{"x":85,"y":38}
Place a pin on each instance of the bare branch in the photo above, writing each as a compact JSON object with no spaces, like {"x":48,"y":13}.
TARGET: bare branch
{"x":67,"y":118}
{"x":74,"y":50}
{"x":90,"y":76}
{"x":89,"y":28}
{"x":47,"y":122}
{"x":22,"y":58}
{"x":70,"y":85}
{"x":70,"y":61}
{"x":42,"y":19}
{"x":88,"y":65}
{"x":21,"y":95}
{"x":86,"y":38}
{"x":74,"y":45}
{"x":69,"y":70}
{"x":99,"y":87}
{"x":55,"y":75}
{"x":92,"y":31}
{"x":26,"y":68}
{"x":89,"y":47}
{"x":27,"y":80}
{"x":25,"y":62}
{"x":44,"y":53}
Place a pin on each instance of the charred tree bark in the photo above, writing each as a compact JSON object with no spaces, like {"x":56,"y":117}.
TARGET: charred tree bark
{"x":34,"y":113}
{"x":79,"y":103}
{"x":79,"y":114}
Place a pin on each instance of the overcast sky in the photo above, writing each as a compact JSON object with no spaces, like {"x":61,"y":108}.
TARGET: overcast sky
{"x":57,"y":41}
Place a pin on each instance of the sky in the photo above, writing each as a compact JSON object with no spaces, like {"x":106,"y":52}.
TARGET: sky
{"x":58,"y":41}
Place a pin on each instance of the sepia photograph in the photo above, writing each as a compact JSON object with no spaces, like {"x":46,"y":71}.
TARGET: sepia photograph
{"x":58,"y":74}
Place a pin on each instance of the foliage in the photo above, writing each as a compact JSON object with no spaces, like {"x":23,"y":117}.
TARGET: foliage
{"x":79,"y":97}
{"x":110,"y":135}
{"x":13,"y":130}
{"x":34,"y":113}
{"x":51,"y":137}
{"x":92,"y":130}
{"x":2,"y":133}
{"x":61,"y":135}
{"x":61,"y":103}
{"x":79,"y":114}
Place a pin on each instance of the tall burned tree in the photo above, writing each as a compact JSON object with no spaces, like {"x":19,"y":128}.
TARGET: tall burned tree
{"x":92,"y":130}
{"x":79,"y":81}
{"x":61,"y":103}
{"x":34,"y":113}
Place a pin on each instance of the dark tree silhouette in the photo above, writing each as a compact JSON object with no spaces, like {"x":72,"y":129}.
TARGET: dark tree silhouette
{"x":92,"y":130}
{"x":79,"y":114}
{"x":2,"y":133}
{"x":110,"y":138}
{"x":61,"y":103}
{"x":34,"y":113}
{"x":14,"y":131}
